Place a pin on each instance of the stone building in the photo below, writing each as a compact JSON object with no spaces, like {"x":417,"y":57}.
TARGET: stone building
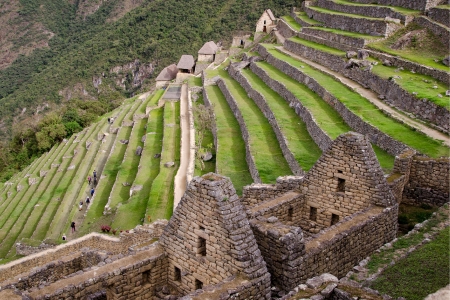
{"x":207,"y":53}
{"x":186,"y":64}
{"x":266,"y":22}
{"x":168,"y":74}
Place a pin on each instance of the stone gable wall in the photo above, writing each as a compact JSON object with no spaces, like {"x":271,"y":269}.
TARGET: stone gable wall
{"x":440,"y":15}
{"x":361,"y":25}
{"x":285,"y":30}
{"x":392,"y":92}
{"x":282,"y":247}
{"x":409,"y":65}
{"x":257,"y":192}
{"x":441,"y":32}
{"x":314,"y":130}
{"x":261,"y":102}
{"x":245,"y":135}
{"x":369,"y":11}
{"x":346,"y":248}
{"x":429,"y":182}
{"x":377,"y":137}
{"x":416,"y":4}
{"x":338,"y":41}
{"x":260,"y":23}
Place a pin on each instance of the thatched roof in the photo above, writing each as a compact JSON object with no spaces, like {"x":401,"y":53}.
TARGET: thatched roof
{"x":186,"y":62}
{"x":208,"y":48}
{"x":168,"y":73}
{"x":270,"y":13}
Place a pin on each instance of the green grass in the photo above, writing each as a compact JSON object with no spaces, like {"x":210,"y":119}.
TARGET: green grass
{"x":266,"y":151}
{"x":402,"y":10}
{"x":155,"y":98}
{"x":348,"y":33}
{"x":300,"y":143}
{"x":421,"y":273}
{"x":194,"y":81}
{"x":160,"y":204}
{"x":133,"y":211}
{"x":230,"y":156}
{"x":368,"y":111}
{"x":304,"y":17}
{"x":291,"y":21}
{"x":317,"y":46}
{"x":333,"y":12}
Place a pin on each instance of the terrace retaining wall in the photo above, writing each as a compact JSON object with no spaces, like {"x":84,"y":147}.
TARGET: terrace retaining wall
{"x":338,"y":39}
{"x":324,"y":41}
{"x":376,"y":136}
{"x":300,"y":21}
{"x":285,"y":30}
{"x":361,"y":25}
{"x":320,"y":137}
{"x":245,"y":135}
{"x":416,"y":4}
{"x":429,"y":182}
{"x":440,"y":31}
{"x":440,"y":15}
{"x":265,"y":109}
{"x":392,"y":92}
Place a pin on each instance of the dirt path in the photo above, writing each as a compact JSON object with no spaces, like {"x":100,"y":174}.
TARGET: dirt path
{"x":181,"y":177}
{"x":373,"y":98}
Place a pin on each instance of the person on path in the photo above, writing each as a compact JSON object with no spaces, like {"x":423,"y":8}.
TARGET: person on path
{"x":95,"y":174}
{"x":88,"y":201}
{"x":81,"y":205}
{"x":92,"y":192}
{"x":89,"y":180}
{"x":109,"y":120}
{"x":64,"y":238}
{"x":72,"y":225}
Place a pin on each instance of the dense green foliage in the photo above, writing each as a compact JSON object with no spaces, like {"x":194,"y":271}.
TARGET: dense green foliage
{"x":157,"y":32}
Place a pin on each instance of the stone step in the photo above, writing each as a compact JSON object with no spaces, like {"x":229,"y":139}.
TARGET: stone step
{"x":352,"y":22}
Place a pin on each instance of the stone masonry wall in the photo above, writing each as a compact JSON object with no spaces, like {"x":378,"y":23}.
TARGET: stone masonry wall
{"x":354,"y":121}
{"x":440,"y":15}
{"x":416,"y":4}
{"x":393,"y":93}
{"x":285,"y":30}
{"x":429,"y":182}
{"x":361,"y":25}
{"x":93,"y":241}
{"x":314,"y":130}
{"x":324,"y":41}
{"x":412,"y":66}
{"x":261,"y":102}
{"x":282,"y":247}
{"x":237,"y":113}
{"x":440,"y":31}
{"x":338,"y":41}
{"x":337,"y":255}
{"x":369,"y":11}
{"x":257,"y":192}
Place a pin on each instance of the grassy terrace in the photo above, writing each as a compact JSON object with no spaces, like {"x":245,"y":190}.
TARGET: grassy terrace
{"x":348,"y":33}
{"x":130,"y":213}
{"x":410,"y":82}
{"x":304,"y":17}
{"x":269,"y":159}
{"x":368,"y":111}
{"x":290,"y":20}
{"x":160,"y":203}
{"x":333,"y":12}
{"x":230,"y":156}
{"x":399,"y":9}
{"x":326,"y":117}
{"x":302,"y":146}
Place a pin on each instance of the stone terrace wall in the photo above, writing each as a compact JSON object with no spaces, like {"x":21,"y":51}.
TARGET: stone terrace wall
{"x":92,"y":241}
{"x":257,"y":192}
{"x":300,"y":21}
{"x":440,"y":15}
{"x":429,"y":181}
{"x":124,"y":279}
{"x":314,"y":130}
{"x":214,"y":126}
{"x":392,"y":92}
{"x":265,"y":109}
{"x":409,"y":65}
{"x":324,"y":41}
{"x":285,"y":30}
{"x":441,"y":32}
{"x":361,"y":25}
{"x":416,"y":4}
{"x":376,"y":136}
{"x":237,"y":113}
{"x":369,"y":11}
{"x":341,"y":42}
{"x":282,"y":247}
{"x":346,"y":248}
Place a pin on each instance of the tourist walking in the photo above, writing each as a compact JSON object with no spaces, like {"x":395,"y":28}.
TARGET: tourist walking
{"x":81,"y":205}
{"x":64,"y":238}
{"x":92,"y":192}
{"x":89,"y":179}
{"x":88,"y":201}
{"x":72,"y":225}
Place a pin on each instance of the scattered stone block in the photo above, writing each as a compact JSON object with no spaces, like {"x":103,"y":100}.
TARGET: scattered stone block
{"x":139,"y":151}
{"x":169,"y":164}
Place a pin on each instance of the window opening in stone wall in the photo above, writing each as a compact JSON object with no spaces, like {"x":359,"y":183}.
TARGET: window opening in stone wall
{"x":146,"y":277}
{"x":340,"y":171}
{"x":198,"y":284}
{"x":202,"y":228}
{"x":312,"y":213}
{"x":341,"y":185}
{"x":201,"y":246}
{"x":334,"y":219}
{"x":177,"y":274}
{"x":264,"y":22}
{"x":290,"y":213}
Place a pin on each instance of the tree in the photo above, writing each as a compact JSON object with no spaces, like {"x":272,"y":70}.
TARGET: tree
{"x":204,"y":121}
